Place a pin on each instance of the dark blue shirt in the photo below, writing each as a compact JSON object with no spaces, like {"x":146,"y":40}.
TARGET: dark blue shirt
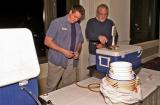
{"x":73,"y":37}
{"x":95,"y":28}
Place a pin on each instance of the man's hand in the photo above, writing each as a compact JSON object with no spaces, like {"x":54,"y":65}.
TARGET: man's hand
{"x":68,"y":54}
{"x":102,"y":39}
{"x":99,"y":46}
{"x":76,"y":55}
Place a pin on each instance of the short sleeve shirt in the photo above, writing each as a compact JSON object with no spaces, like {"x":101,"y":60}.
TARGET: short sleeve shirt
{"x":60,"y":31}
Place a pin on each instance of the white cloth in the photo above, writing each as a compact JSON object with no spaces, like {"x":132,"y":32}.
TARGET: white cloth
{"x":119,"y":96}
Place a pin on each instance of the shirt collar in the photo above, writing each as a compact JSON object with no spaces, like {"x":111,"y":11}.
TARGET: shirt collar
{"x":66,"y":19}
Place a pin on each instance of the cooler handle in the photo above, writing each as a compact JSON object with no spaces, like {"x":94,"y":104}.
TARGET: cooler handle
{"x":100,"y":61}
{"x":140,"y":53}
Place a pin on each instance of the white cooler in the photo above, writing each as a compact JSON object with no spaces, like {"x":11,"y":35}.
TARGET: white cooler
{"x":129,"y":53}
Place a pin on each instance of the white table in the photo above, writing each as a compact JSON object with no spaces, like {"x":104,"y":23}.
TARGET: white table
{"x":74,"y":95}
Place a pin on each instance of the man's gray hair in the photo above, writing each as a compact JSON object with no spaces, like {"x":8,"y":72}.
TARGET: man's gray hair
{"x":102,"y":6}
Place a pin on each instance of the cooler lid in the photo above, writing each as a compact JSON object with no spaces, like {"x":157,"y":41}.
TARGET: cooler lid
{"x":120,"y":51}
{"x":18,"y":59}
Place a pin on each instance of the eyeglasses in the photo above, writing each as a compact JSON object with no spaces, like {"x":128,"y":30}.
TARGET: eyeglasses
{"x":76,"y":17}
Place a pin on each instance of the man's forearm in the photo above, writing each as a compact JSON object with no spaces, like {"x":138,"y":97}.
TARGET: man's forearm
{"x":78,"y":47}
{"x":51,"y":44}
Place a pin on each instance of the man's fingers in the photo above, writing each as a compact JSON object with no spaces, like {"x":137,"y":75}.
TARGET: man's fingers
{"x":103,"y":39}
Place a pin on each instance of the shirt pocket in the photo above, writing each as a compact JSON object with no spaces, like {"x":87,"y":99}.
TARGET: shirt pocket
{"x":64,"y":34}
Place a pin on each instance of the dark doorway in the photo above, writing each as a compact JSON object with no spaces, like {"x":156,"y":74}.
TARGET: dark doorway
{"x":64,"y":5}
{"x":144,"y":20}
{"x":61,"y":8}
{"x":24,"y":14}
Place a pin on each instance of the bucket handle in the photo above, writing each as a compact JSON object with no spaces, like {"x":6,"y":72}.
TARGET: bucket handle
{"x":140,"y":53}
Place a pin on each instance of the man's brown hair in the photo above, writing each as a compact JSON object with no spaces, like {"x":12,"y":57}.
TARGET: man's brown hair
{"x":78,"y":8}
